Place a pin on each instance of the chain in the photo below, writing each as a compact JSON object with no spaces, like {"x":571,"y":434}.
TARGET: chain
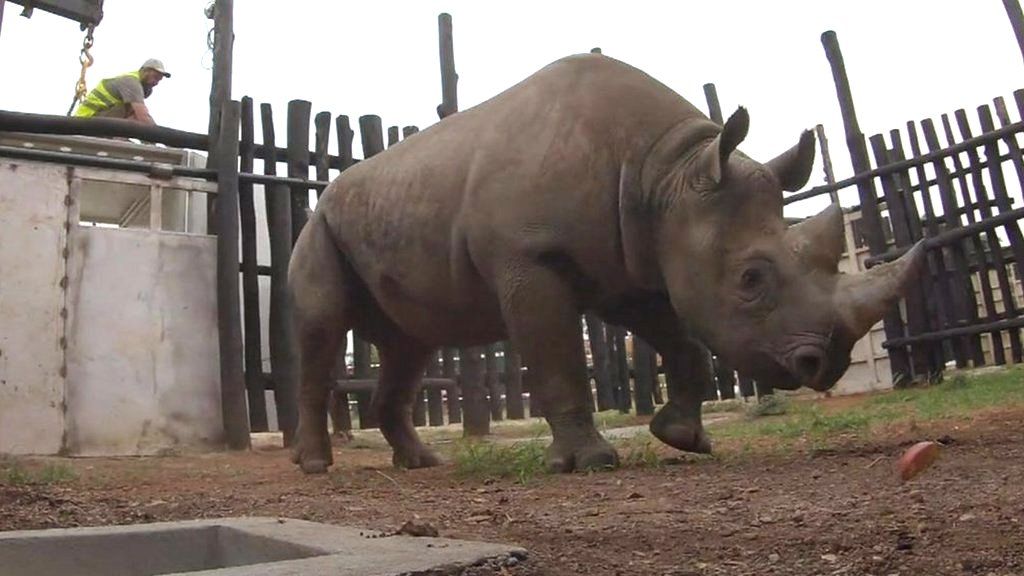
{"x":86,"y":59}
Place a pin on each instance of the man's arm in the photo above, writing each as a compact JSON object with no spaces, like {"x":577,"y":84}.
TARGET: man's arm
{"x":141,"y":114}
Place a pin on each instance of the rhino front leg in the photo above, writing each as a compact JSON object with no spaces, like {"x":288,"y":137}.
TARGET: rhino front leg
{"x":678,"y":423}
{"x":687,"y":369}
{"x":544,"y":325}
{"x":402,"y":362}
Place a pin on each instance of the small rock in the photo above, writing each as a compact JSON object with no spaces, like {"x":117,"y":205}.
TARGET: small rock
{"x":634,"y":496}
{"x":966,"y":517}
{"x":829,"y":557}
{"x":773,"y":558}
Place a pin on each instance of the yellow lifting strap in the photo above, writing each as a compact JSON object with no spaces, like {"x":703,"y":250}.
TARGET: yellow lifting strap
{"x":86,"y":59}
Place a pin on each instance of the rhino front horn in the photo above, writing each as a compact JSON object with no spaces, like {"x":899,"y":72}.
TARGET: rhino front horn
{"x":863,"y":299}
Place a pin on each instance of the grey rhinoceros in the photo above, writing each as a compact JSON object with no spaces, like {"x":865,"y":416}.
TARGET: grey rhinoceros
{"x":589,"y":186}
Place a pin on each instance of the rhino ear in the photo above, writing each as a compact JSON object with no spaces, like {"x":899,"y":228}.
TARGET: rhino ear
{"x":793,"y":167}
{"x":712,"y":162}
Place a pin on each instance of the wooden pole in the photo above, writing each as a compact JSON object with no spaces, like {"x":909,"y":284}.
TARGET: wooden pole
{"x":600,"y":359}
{"x":724,"y":374}
{"x":643,"y":376}
{"x":283,"y":352}
{"x":513,"y":383}
{"x":871,"y":220}
{"x":714,"y":108}
{"x":229,"y":324}
{"x":2,"y":2}
{"x":493,"y":382}
{"x":449,"y":78}
{"x":476,"y":412}
{"x":322,"y":131}
{"x":254,"y":383}
{"x":223,"y":43}
{"x":373,"y":143}
{"x":826,"y":160}
{"x":298,"y":161}
{"x":1016,"y":21}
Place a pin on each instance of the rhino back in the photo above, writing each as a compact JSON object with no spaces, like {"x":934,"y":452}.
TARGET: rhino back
{"x":533,"y":171}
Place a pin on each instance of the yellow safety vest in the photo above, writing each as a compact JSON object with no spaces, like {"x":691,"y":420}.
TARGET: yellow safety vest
{"x":100,"y":99}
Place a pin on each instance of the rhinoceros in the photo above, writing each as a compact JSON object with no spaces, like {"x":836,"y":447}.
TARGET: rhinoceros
{"x":589,"y":186}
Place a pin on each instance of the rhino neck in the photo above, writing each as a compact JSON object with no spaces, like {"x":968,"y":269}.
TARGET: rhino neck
{"x":662,"y":175}
{"x":650,"y":188}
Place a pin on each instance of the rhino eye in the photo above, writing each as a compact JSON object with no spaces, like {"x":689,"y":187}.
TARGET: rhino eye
{"x":754,"y":280}
{"x":751,"y":279}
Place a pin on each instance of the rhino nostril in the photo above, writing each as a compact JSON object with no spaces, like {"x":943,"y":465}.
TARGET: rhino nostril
{"x":808,"y":364}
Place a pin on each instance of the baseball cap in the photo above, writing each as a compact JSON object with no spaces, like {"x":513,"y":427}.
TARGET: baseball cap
{"x":156,"y":65}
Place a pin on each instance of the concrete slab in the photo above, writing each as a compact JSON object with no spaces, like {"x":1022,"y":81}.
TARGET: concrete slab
{"x":236,"y":547}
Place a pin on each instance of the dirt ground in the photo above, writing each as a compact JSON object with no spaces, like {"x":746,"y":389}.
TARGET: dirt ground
{"x":794,"y":512}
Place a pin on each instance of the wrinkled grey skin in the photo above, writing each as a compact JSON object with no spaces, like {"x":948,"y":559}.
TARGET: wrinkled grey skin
{"x":588,"y":186}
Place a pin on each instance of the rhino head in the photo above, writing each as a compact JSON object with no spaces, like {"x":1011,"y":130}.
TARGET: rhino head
{"x":767,"y":298}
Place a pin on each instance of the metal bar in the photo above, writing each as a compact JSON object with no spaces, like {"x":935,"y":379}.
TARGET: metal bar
{"x":158,"y":169}
{"x":950,"y":237}
{"x":955,"y":332}
{"x":976,"y":142}
{"x":85,"y":12}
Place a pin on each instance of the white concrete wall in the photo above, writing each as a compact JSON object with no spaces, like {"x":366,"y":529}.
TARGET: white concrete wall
{"x":142,"y":356}
{"x":139,"y":343}
{"x":32,"y":218}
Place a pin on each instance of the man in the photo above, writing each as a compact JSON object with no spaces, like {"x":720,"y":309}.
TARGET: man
{"x":122,"y":96}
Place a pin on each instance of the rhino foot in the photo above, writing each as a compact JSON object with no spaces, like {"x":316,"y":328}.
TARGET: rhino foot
{"x":672,"y":426}
{"x":419,"y":457}
{"x":595,"y":454}
{"x":313,"y":454}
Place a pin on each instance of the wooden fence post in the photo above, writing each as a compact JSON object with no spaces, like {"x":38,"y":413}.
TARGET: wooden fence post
{"x":599,"y":357}
{"x":871,"y":220}
{"x":643,"y":377}
{"x":477,"y":415}
{"x":254,"y":382}
{"x":1013,"y":11}
{"x":283,"y":353}
{"x":513,"y":383}
{"x":229,"y":323}
{"x":298,"y":161}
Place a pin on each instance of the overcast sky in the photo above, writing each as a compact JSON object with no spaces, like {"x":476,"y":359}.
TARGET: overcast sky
{"x":907,"y":59}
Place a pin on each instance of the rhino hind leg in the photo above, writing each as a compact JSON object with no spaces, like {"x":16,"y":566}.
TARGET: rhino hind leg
{"x":321,"y":319}
{"x":540,"y":312}
{"x":402,"y":362}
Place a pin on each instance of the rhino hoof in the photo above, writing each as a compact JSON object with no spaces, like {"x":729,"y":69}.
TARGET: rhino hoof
{"x":680,"y":432}
{"x":597,"y":456}
{"x":311,"y":457}
{"x":314,"y":466}
{"x":422,"y":458}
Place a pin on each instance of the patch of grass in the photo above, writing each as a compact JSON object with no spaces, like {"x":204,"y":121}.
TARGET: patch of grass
{"x":717,"y":406}
{"x":959,"y":396}
{"x":608,"y":419}
{"x":639,"y":451}
{"x":15,"y":473}
{"x":770,"y":405}
{"x":520,"y":460}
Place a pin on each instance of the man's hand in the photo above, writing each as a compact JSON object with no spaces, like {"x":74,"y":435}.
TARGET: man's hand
{"x":141,"y":114}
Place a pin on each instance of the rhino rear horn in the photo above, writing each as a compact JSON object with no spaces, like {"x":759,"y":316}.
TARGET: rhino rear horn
{"x":715,"y":157}
{"x":819,"y":240}
{"x":793,"y":167}
{"x":863,"y":299}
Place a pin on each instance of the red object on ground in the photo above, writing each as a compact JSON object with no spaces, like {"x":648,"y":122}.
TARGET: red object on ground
{"x":917,"y":459}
